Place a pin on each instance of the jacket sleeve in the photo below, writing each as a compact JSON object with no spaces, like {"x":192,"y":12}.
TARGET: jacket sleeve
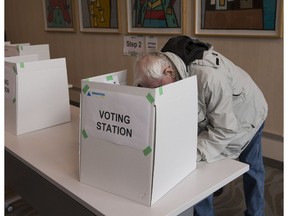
{"x":215,"y":90}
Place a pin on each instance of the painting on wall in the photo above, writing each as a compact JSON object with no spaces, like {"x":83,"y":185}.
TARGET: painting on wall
{"x":155,"y":16}
{"x":59,"y":15}
{"x":101,"y":16}
{"x":253,"y":18}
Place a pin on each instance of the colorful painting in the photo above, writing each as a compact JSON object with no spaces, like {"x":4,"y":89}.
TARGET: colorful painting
{"x":58,"y":15}
{"x":99,"y":15}
{"x":240,"y":14}
{"x":157,"y":16}
{"x":254,"y":17}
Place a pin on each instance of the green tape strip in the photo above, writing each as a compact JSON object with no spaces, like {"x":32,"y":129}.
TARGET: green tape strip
{"x":147,"y":150}
{"x":84,"y":134}
{"x":85,"y":89}
{"x":14,"y":100}
{"x":161,"y":90}
{"x":150,"y":98}
{"x":21,"y":65}
{"x":109,"y":78}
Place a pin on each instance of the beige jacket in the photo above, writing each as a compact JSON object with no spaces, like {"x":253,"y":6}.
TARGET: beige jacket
{"x":231,"y":108}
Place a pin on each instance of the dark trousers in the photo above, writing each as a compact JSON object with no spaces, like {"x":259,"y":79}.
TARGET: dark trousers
{"x":253,"y":181}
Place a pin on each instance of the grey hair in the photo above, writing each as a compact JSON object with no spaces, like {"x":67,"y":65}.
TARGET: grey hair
{"x":150,"y":66}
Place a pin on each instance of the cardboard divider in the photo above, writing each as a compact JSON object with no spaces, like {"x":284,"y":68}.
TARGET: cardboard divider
{"x":158,"y":152}
{"x":36,"y":93}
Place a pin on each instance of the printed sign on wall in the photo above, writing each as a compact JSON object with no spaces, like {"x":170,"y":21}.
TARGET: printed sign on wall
{"x":133,"y":45}
{"x":139,"y":45}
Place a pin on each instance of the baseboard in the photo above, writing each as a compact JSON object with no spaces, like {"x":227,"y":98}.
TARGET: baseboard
{"x":273,"y":163}
{"x":272,"y":146}
{"x":73,"y":103}
{"x":74,"y":95}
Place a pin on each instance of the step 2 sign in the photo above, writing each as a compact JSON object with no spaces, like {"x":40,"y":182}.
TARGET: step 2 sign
{"x":133,"y":45}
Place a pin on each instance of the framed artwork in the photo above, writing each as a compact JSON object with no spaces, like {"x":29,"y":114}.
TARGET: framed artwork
{"x":155,"y":16}
{"x":59,"y":15}
{"x":245,"y":18}
{"x":101,"y":16}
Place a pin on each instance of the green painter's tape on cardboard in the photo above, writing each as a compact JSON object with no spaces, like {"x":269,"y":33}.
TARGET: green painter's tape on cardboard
{"x":84,"y":134}
{"x":150,"y":98}
{"x":161,"y":90}
{"x":109,"y":78}
{"x":85,"y":89}
{"x":147,"y":151}
{"x":21,"y":65}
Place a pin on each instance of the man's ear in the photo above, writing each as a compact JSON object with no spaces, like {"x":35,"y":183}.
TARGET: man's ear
{"x":169,"y":72}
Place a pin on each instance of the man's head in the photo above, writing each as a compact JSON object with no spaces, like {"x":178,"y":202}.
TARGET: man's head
{"x":154,"y":70}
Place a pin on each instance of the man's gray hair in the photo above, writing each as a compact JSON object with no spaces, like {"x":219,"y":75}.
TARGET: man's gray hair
{"x":150,"y":66}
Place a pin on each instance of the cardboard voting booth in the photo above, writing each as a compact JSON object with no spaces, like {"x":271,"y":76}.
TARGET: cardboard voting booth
{"x":26,"y":49}
{"x":24,"y":58}
{"x":13,"y":49}
{"x":136,"y":142}
{"x":36,"y":93}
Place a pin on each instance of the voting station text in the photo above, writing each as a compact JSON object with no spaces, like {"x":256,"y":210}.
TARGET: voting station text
{"x":111,"y":128}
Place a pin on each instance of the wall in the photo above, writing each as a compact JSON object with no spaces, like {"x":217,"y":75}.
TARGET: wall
{"x":90,"y":54}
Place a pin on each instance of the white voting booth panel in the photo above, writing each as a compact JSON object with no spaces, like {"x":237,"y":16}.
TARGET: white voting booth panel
{"x":24,"y":58}
{"x":26,"y":49}
{"x":36,"y":94}
{"x":13,"y":49}
{"x":137,"y":142}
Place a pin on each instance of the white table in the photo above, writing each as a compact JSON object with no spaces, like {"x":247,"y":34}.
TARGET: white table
{"x":43,"y":168}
